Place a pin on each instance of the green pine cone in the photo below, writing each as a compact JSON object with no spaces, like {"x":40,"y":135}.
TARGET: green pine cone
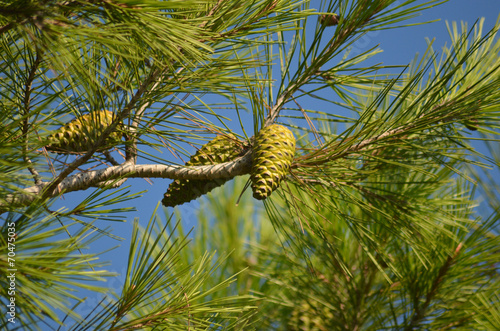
{"x":80,"y":134}
{"x":310,"y":316}
{"x":219,"y":150}
{"x":273,"y":151}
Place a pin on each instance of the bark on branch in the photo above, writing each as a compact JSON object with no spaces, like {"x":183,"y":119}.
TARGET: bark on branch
{"x":84,"y":180}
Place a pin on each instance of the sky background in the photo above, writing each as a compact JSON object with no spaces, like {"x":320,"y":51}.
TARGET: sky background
{"x":399,"y":47}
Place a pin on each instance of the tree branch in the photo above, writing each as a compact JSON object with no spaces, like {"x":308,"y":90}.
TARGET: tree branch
{"x":85,"y":180}
{"x":315,"y":66}
{"x":78,"y":162}
{"x":314,"y":158}
{"x":421,"y":310}
{"x":25,"y":128}
{"x":131,"y":149}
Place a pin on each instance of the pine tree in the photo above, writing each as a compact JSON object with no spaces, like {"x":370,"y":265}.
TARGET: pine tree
{"x":374,"y":224}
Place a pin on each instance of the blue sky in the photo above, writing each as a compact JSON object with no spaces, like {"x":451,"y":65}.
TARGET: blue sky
{"x":399,"y":48}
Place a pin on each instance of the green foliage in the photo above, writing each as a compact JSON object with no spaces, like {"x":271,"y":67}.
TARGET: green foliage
{"x":389,"y":284}
{"x":49,"y":266}
{"x":163,"y":291}
{"x":378,"y":223}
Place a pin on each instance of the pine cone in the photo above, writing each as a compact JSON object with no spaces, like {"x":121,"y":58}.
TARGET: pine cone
{"x":329,"y":19}
{"x":471,"y":123}
{"x":310,"y":316}
{"x":80,"y":134}
{"x":273,"y":151}
{"x":219,"y":150}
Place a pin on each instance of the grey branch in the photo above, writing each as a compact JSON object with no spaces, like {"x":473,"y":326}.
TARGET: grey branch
{"x":84,"y":180}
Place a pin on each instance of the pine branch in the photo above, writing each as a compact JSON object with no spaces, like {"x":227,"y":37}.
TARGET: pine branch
{"x":7,"y":27}
{"x":363,"y":15}
{"x":280,"y":102}
{"x":421,"y":310}
{"x":437,"y":115}
{"x":82,"y":181}
{"x":26,"y":110}
{"x":48,"y":192}
{"x":131,"y":148}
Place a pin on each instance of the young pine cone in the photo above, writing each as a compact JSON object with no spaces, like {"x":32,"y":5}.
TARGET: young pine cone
{"x":219,"y":150}
{"x":329,"y":19}
{"x":81,"y":134}
{"x":272,"y":155}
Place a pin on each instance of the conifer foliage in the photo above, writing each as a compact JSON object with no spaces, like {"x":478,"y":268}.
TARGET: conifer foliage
{"x":374,"y":187}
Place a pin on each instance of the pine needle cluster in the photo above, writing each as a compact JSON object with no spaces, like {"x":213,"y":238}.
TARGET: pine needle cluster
{"x":376,"y":222}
